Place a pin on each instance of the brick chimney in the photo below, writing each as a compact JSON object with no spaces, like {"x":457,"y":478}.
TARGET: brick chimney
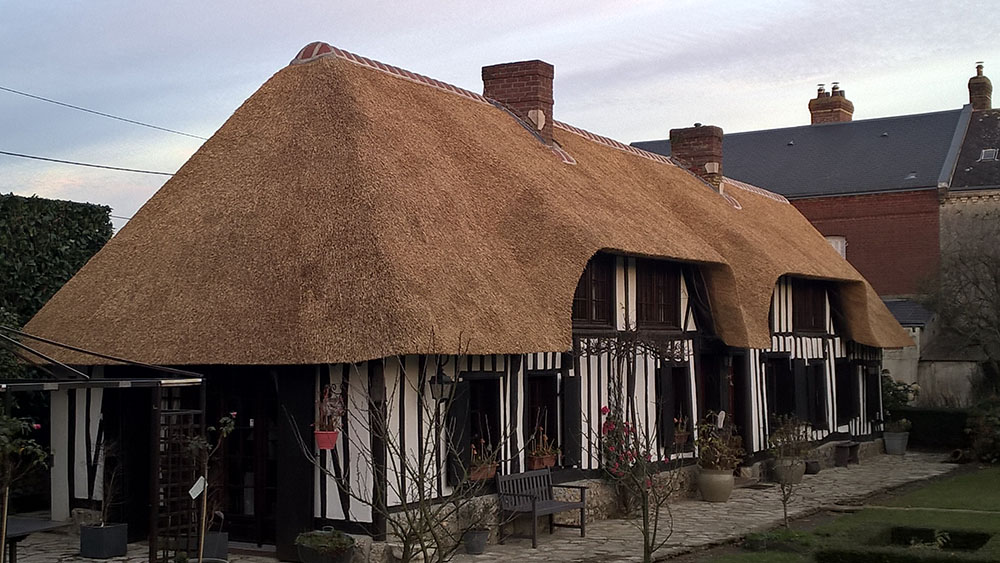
{"x":830,"y":107}
{"x":980,"y":90}
{"x":699,"y":149}
{"x":525,"y":88}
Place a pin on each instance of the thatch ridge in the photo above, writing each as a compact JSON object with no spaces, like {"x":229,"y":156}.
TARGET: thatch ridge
{"x":342,"y":214}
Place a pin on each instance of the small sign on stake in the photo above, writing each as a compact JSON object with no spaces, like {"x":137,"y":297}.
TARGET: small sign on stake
{"x":197,"y":488}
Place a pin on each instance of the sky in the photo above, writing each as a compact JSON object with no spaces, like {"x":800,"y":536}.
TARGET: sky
{"x":627,"y":70}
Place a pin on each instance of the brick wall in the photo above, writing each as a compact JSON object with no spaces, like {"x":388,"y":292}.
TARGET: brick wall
{"x":892,"y":239}
{"x":697,"y":146}
{"x":522,"y":87}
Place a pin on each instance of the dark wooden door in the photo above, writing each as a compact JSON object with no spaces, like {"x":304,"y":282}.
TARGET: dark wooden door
{"x":250,"y":457}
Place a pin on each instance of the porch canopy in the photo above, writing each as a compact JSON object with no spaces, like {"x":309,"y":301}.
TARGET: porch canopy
{"x":175,"y":417}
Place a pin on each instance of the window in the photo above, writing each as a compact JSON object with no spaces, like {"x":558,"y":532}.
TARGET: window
{"x":673,"y":401}
{"x":593,"y":302}
{"x":540,"y":410}
{"x":987,"y":155}
{"x":484,"y":412}
{"x":808,"y":306}
{"x":839,"y":244}
{"x":780,"y":387}
{"x":658,"y":294}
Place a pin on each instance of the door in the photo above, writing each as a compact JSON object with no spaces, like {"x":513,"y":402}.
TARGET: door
{"x":249,"y":457}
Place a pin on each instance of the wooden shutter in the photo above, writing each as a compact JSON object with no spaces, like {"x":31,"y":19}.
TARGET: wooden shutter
{"x":848,"y":394}
{"x":873,"y":393}
{"x":666,"y":406}
{"x":801,"y":386}
{"x":572,"y":413}
{"x":459,"y":454}
{"x":817,"y":396}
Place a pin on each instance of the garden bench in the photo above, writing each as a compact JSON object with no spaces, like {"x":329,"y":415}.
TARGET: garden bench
{"x":531,"y":493}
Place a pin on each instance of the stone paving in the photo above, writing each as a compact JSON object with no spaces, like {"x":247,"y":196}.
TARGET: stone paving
{"x":697,"y":524}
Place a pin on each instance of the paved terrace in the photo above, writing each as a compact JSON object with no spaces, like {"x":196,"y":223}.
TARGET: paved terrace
{"x":697,"y":524}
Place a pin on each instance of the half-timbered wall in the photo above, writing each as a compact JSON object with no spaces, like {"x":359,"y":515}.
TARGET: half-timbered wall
{"x":76,"y":431}
{"x":811,"y":349}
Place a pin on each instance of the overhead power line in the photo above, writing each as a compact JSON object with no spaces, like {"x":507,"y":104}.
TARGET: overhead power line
{"x":19,"y":155}
{"x":101,"y":113}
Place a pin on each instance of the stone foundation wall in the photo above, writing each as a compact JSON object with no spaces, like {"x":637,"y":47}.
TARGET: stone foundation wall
{"x":603,"y":502}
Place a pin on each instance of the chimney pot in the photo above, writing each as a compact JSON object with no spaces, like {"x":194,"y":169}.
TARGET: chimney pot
{"x":699,"y":149}
{"x":980,"y":90}
{"x":831,"y":107}
{"x":525,"y":88}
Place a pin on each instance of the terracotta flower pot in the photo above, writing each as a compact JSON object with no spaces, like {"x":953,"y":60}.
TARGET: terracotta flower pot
{"x":326,"y":440}
{"x":681,"y":437}
{"x":540,"y":461}
{"x":482,"y":472}
{"x":715,"y":484}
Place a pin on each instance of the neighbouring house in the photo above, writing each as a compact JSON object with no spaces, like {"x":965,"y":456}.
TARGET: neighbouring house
{"x":882,"y":192}
{"x":354,"y":223}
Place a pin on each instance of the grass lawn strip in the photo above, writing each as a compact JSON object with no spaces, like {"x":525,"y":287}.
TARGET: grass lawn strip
{"x":971,"y":491}
{"x":965,"y":503}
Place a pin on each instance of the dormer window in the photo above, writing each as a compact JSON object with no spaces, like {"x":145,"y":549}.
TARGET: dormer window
{"x":658,"y":294}
{"x":988,"y":155}
{"x":808,"y":306}
{"x":594,"y":298}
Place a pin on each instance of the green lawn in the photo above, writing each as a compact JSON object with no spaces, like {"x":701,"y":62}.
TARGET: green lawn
{"x":869,"y":531}
{"x":974,"y":491}
{"x":764,"y":557}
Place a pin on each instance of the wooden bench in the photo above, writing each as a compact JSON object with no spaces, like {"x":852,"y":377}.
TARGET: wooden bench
{"x":531,"y":493}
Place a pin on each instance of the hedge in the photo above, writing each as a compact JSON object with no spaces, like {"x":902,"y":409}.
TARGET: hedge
{"x":936,"y":428}
{"x":43,"y":242}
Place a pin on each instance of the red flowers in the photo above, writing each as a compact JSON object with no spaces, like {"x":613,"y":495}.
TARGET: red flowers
{"x":605,"y":410}
{"x":36,"y":426}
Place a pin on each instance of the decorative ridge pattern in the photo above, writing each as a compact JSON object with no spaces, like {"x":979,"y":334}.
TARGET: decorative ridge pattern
{"x":318,"y":50}
{"x":754,"y":189}
{"x":315,"y":51}
{"x":609,"y":142}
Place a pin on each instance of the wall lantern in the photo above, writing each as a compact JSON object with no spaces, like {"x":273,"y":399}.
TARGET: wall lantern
{"x":441,"y":385}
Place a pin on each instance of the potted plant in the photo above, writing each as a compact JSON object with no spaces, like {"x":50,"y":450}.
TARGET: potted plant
{"x":19,"y":456}
{"x":681,"y":432}
{"x":105,"y":539}
{"x":329,"y":416}
{"x":325,"y":546}
{"x":896,"y":435}
{"x":204,"y":451}
{"x":788,"y":444}
{"x":542,"y":452}
{"x":483,"y":464}
{"x":720,"y":450}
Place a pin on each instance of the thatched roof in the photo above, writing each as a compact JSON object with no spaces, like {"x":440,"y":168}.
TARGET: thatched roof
{"x":344,"y":213}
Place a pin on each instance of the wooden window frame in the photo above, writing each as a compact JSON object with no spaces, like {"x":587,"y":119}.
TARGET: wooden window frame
{"x":657,"y":295}
{"x":808,"y":306}
{"x":596,"y":294}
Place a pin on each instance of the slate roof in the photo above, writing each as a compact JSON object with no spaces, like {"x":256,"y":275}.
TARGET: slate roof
{"x":908,"y":312}
{"x":872,"y":155}
{"x":972,"y":172}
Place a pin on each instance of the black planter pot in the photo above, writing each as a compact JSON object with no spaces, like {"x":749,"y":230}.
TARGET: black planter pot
{"x":475,"y":541}
{"x":216,"y":545}
{"x":103,"y":542}
{"x":310,"y":555}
